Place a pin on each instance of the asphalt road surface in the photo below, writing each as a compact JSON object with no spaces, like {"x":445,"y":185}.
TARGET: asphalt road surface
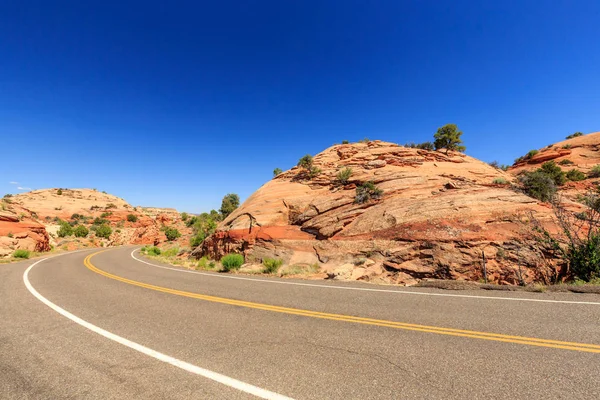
{"x":105,"y":325}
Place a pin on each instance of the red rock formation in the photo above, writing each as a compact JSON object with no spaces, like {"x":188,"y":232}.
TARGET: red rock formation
{"x":30,"y":218}
{"x":437,"y":214}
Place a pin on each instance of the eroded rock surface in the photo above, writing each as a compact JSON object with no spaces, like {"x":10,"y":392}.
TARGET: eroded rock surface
{"x":437,"y":214}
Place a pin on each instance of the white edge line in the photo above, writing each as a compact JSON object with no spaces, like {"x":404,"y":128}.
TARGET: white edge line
{"x":367,"y":289}
{"x":225,"y":380}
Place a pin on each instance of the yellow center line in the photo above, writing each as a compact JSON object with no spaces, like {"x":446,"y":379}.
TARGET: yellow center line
{"x":591,"y":348}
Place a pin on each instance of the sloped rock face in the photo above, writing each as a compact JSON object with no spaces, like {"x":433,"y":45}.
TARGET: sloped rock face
{"x":18,"y":231}
{"x":29,"y":220}
{"x":581,"y":153}
{"x":437,"y":214}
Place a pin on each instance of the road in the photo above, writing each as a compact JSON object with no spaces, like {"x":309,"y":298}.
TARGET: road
{"x":104,"y":325}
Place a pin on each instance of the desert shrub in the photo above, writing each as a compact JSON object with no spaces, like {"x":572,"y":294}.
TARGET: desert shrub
{"x":539,"y":185}
{"x":578,"y":241}
{"x":105,"y":214}
{"x":574,"y":135}
{"x":500,"y":181}
{"x":21,"y":253}
{"x":7,"y":196}
{"x":306,"y":162}
{"x":205,"y":263}
{"x":197,"y":240}
{"x":153,"y":251}
{"x":132,"y":218}
{"x":565,"y":162}
{"x":59,"y":192}
{"x":100,"y":221}
{"x":232,"y":261}
{"x":314,"y":171}
{"x":494,"y":164}
{"x":555,"y":172}
{"x":345,"y":142}
{"x":191,"y":221}
{"x":343,"y":176}
{"x":80,"y":231}
{"x":423,"y":146}
{"x":271,"y":265}
{"x":366,"y":192}
{"x":594,"y":172}
{"x":10,"y":235}
{"x":531,"y":153}
{"x":184,"y":216}
{"x":76,"y":216}
{"x":172,"y":234}
{"x":277,"y":172}
{"x":104,"y":231}
{"x":110,"y":205}
{"x":172,"y":252}
{"x":575,"y":175}
{"x":365,"y":140}
{"x":65,"y":230}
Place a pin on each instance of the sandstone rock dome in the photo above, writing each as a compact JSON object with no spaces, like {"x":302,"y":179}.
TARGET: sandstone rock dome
{"x":437,"y":213}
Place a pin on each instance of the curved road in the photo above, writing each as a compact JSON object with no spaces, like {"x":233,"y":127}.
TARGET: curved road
{"x":112,"y":325}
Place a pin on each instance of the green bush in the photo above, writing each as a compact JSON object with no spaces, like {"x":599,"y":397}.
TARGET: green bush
{"x":343,"y":176}
{"x":366,"y":192}
{"x":277,"y":172}
{"x":59,"y":192}
{"x":184,"y":216}
{"x":271,"y":265}
{"x":205,"y":263}
{"x":172,"y":234}
{"x":65,"y":230}
{"x":594,"y":172}
{"x":575,"y":175}
{"x":100,"y":221}
{"x":10,"y":235}
{"x":232,"y":261}
{"x":565,"y":162}
{"x":531,"y":153}
{"x":104,"y":231}
{"x":423,"y":146}
{"x":539,"y":185}
{"x":153,"y":251}
{"x":345,"y":142}
{"x":314,"y":171}
{"x":555,"y":172}
{"x":500,"y":181}
{"x":172,"y":252}
{"x":132,"y":218}
{"x":80,"y":231}
{"x":76,"y":216}
{"x":576,"y":134}
{"x":306,"y":162}
{"x":110,"y":205}
{"x":584,"y":258}
{"x":22,"y":254}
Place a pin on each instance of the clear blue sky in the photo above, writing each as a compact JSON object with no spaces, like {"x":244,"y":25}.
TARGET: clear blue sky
{"x":175,"y":104}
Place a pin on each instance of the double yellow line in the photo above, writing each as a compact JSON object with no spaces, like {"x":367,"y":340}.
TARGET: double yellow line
{"x":556,"y":344}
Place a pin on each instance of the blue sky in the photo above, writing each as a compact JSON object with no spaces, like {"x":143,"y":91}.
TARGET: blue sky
{"x":175,"y":104}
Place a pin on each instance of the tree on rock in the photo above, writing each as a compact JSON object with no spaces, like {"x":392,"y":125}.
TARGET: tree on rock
{"x":230,"y":202}
{"x":448,"y":137}
{"x":277,"y":172}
